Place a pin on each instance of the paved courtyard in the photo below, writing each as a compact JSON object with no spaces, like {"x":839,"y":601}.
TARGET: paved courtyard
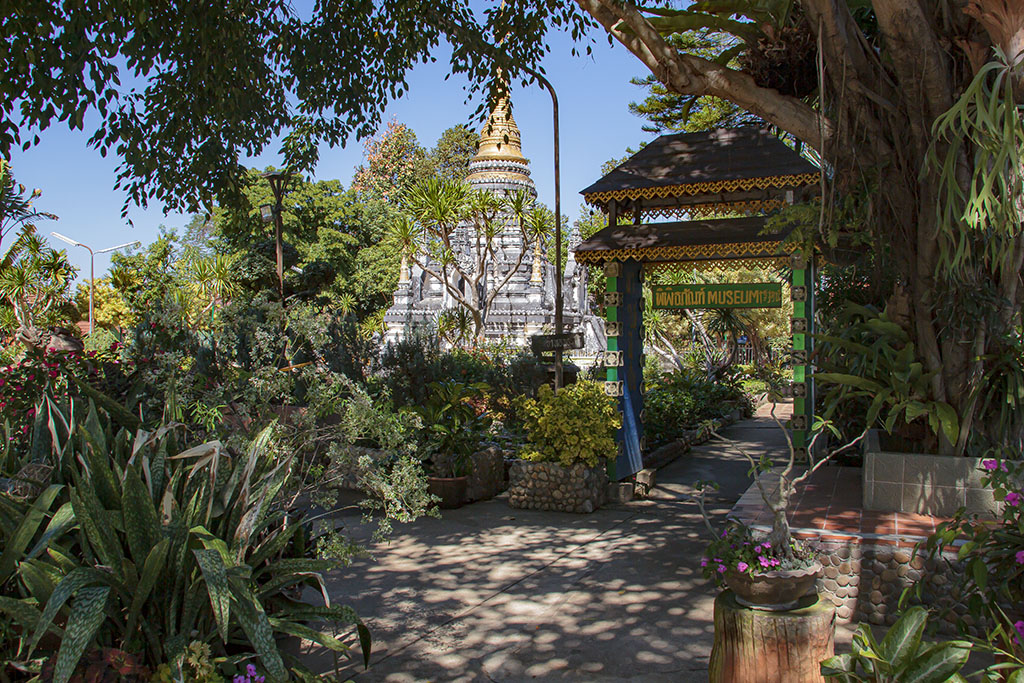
{"x":489,"y":593}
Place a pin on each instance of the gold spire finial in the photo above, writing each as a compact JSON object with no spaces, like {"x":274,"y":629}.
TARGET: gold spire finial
{"x":500,"y":138}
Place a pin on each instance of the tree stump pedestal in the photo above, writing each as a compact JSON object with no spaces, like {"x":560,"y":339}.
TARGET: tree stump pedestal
{"x":754,"y":646}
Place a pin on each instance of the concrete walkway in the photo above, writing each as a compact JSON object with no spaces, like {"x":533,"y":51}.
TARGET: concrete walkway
{"x":489,"y":593}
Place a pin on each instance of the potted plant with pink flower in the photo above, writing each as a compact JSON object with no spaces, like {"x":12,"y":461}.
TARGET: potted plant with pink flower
{"x":761,"y":574}
{"x":770,"y":571}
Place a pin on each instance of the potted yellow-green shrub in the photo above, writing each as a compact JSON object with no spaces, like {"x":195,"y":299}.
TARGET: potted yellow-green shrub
{"x":570,"y":438}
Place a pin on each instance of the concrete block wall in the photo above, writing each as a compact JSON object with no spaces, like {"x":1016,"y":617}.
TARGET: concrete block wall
{"x":922,"y":484}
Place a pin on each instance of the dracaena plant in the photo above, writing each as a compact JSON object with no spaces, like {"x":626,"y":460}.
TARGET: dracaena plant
{"x":147,"y":549}
{"x":902,"y":655}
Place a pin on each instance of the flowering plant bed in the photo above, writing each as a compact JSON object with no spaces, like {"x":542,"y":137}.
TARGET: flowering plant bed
{"x":992,"y":579}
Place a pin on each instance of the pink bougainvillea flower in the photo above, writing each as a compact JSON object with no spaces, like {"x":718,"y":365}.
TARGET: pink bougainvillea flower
{"x":764,"y":561}
{"x":742,"y":566}
{"x":1020,"y":556}
{"x":1013,"y":498}
{"x":989,"y":464}
{"x":721,"y":569}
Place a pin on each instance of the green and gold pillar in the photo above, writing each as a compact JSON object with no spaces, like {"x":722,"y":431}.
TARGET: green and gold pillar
{"x":802,"y":293}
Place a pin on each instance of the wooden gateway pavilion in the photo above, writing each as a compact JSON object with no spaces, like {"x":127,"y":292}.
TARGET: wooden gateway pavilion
{"x":745,"y":171}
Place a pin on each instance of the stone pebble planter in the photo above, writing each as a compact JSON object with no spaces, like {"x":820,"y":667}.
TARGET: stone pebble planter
{"x":549,"y":486}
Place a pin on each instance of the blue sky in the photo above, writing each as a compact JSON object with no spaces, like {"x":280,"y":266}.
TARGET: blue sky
{"x":593,"y":91}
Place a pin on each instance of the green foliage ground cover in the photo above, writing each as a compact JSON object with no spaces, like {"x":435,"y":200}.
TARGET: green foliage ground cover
{"x":683,"y":399}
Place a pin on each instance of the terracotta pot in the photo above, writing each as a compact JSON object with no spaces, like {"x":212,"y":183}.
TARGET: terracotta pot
{"x":451,"y":491}
{"x":774,"y":591}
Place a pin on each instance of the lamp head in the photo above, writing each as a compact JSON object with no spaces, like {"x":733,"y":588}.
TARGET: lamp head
{"x":65,"y":238}
{"x":267,"y":213}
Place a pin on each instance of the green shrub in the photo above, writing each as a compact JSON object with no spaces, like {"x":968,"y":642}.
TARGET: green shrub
{"x":454,"y":424}
{"x":681,"y":400}
{"x":408,"y":367}
{"x":577,"y":424}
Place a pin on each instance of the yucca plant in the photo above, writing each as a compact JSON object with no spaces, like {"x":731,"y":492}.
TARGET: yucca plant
{"x":153,"y":550}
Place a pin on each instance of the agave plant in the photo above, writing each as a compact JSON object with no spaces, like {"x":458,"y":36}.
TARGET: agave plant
{"x":152,"y":550}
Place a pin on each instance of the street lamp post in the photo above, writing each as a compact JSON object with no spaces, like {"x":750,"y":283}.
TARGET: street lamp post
{"x":268,"y":213}
{"x":92,"y":266}
{"x":559,"y":302}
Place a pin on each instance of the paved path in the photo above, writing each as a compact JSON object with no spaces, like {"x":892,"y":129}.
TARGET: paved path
{"x":489,"y":593}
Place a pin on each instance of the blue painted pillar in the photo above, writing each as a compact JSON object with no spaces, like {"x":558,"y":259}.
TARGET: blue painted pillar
{"x":624,"y":360}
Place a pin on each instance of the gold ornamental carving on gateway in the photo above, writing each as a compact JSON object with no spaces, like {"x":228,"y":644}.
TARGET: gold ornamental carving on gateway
{"x":705,"y":188}
{"x":688,"y":252}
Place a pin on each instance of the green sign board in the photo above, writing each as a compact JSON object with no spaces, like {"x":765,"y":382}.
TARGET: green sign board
{"x":727,"y":295}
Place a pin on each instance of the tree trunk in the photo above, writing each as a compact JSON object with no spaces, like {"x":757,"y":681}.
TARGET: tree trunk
{"x":753,"y":646}
{"x":779,"y":536}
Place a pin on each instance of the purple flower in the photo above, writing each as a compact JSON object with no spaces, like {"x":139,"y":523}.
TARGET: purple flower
{"x":766,"y":544}
{"x":725,"y":532}
{"x":764,"y":561}
{"x":1020,"y":631}
{"x":250,"y":670}
{"x":757,"y":548}
{"x":990,"y":465}
{"x":703,"y":561}
{"x":259,"y":679}
{"x":1020,"y":556}
{"x":1013,"y":498}
{"x":721,"y":569}
{"x":238,"y":679}
{"x":742,"y":567}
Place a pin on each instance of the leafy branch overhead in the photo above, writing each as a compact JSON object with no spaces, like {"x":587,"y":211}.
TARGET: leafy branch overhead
{"x":181,"y":91}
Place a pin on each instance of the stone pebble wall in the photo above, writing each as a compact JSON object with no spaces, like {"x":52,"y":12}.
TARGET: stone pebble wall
{"x":865,"y":582}
{"x":549,"y":486}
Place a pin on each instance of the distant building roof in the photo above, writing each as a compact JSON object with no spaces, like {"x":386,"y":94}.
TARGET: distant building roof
{"x":728,"y":169}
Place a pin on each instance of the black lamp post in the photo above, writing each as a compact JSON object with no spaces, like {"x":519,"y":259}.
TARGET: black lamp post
{"x":269,"y":213}
{"x":559,"y":302}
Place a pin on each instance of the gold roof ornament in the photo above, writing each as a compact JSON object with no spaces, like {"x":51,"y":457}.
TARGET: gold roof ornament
{"x":499,"y":160}
{"x":500,"y":138}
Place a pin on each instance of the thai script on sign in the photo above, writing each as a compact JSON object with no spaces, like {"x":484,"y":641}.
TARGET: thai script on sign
{"x":724,"y":295}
